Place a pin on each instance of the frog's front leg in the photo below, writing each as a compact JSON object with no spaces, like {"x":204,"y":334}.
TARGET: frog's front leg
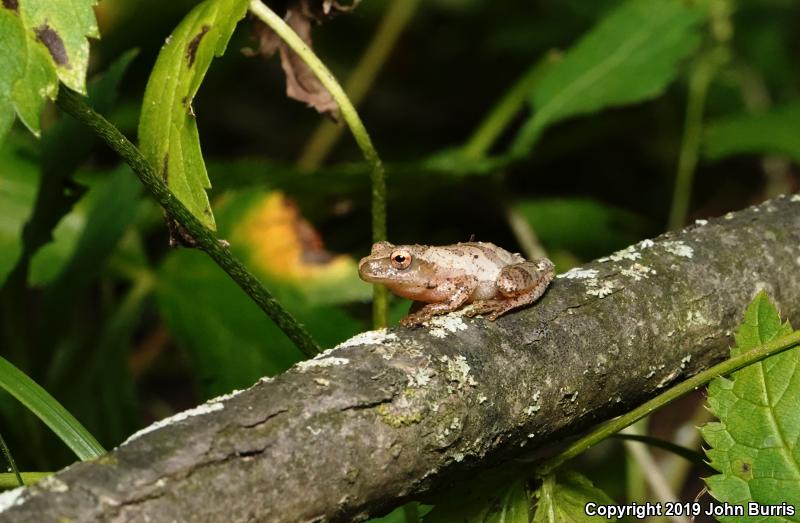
{"x":459,"y":289}
{"x":517,"y":285}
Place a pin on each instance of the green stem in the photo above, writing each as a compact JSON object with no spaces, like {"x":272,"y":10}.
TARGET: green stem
{"x":699,"y":82}
{"x":325,"y":136}
{"x":507,"y":108}
{"x":693,"y":383}
{"x":351,"y":118}
{"x":10,"y":459}
{"x":74,"y":104}
{"x":9,"y":480}
{"x":688,"y":455}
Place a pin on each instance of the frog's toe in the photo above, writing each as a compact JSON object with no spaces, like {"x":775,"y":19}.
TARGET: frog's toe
{"x":414,"y":320}
{"x":496,"y":314}
{"x":490,"y":307}
{"x":408,"y":321}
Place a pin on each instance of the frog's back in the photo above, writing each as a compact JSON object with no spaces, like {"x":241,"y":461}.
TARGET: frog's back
{"x":480,"y":259}
{"x":492,"y":253}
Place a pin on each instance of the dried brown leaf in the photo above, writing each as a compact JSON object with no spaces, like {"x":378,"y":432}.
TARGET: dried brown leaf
{"x":301,"y":82}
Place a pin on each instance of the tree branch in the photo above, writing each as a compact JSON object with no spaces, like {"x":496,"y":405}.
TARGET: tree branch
{"x":390,"y":415}
{"x":73,"y":104}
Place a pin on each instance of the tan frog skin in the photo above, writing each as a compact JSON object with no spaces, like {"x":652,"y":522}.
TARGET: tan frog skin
{"x":446,"y":278}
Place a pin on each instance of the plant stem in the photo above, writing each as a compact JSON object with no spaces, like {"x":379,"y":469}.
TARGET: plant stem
{"x":509,"y":105}
{"x":74,"y":104}
{"x":325,"y":136}
{"x":527,"y":238}
{"x":689,"y":438}
{"x":722,"y":369}
{"x":9,"y":480}
{"x":351,"y":118}
{"x":653,"y":477}
{"x":7,"y":453}
{"x":699,"y":82}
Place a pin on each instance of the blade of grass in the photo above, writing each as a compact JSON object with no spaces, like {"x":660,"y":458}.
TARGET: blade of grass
{"x":50,"y":411}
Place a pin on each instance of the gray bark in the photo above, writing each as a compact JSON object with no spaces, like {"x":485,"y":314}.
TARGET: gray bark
{"x":389,"y":415}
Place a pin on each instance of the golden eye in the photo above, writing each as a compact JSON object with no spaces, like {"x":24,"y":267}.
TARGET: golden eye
{"x":401,"y":259}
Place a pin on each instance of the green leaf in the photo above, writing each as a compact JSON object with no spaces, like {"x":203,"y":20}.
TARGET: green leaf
{"x":62,"y":27}
{"x":50,"y":411}
{"x":19,"y":179}
{"x":42,"y":42}
{"x":773,"y":132}
{"x":508,"y":504}
{"x":110,"y":209}
{"x":755,"y":443}
{"x":278,"y":244}
{"x":230,"y":339}
{"x":630,"y":56}
{"x":64,"y":147}
{"x":580,"y":225}
{"x":88,"y":233}
{"x":167,"y":128}
{"x":566,"y":496}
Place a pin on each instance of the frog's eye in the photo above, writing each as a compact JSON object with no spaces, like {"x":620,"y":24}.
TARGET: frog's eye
{"x":401,"y":259}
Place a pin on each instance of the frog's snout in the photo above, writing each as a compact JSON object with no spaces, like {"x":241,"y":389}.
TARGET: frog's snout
{"x":365,"y":268}
{"x":371,"y":270}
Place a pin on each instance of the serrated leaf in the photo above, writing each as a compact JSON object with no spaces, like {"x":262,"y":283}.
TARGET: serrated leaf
{"x":773,"y":132}
{"x":755,"y":445}
{"x":42,"y":42}
{"x":566,"y":496}
{"x":167,"y":128}
{"x":630,"y":56}
{"x":478,"y":504}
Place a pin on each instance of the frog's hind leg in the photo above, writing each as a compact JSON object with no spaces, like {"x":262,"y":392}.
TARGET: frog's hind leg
{"x":519,"y":284}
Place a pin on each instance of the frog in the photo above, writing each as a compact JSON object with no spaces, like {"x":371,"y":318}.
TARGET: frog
{"x":442,"y":279}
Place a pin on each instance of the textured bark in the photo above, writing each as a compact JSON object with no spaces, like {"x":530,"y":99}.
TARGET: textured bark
{"x":389,"y":415}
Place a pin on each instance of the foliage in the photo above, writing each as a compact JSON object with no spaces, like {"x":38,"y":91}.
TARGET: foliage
{"x":484,"y":502}
{"x":50,"y":411}
{"x":582,"y":146}
{"x":754,"y":445}
{"x":581,"y":226}
{"x":772,"y":132}
{"x":17,"y":193}
{"x":167,"y":129}
{"x":42,"y":43}
{"x":229,"y":338}
{"x":630,"y":56}
{"x":564,"y":497}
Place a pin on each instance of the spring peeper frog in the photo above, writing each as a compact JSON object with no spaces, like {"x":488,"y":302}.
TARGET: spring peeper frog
{"x":492,"y":279}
